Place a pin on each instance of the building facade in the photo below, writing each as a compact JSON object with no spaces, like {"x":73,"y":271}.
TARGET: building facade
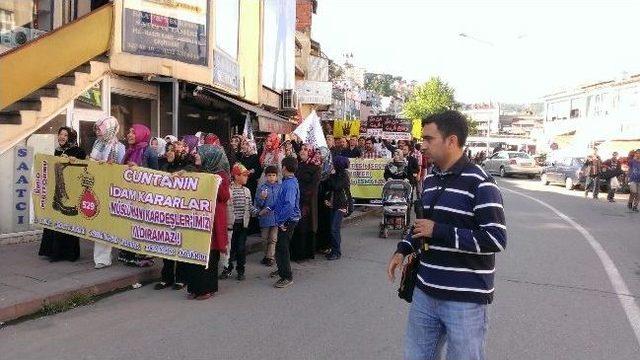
{"x":589,"y":115}
{"x":176,"y":66}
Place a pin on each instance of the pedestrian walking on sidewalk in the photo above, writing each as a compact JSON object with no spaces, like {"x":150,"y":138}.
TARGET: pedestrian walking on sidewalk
{"x":463,"y":228}
{"x":634,"y":181}
{"x":593,"y":167}
{"x":287,"y":214}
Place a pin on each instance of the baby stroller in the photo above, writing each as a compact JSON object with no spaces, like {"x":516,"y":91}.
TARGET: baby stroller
{"x":396,"y":207}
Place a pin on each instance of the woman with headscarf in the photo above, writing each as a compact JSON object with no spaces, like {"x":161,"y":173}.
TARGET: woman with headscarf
{"x":212,"y":139}
{"x":249,"y":158}
{"x":191,"y":142}
{"x":139,"y":153}
{"x":338,"y":198}
{"x":272,"y":155}
{"x":107,"y":149}
{"x":170,"y":138}
{"x":159,"y":145}
{"x":288,"y":149}
{"x":303,"y":242}
{"x":200,"y":135}
{"x":397,"y":168}
{"x":236,"y":143}
{"x":55,"y":245}
{"x":202,"y":282}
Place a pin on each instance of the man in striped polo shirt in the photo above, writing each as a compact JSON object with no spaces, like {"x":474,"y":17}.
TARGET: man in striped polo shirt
{"x":464,"y":227}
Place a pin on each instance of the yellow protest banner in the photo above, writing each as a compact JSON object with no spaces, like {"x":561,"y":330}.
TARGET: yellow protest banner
{"x":132,"y":208}
{"x":346,"y":128}
{"x":416,"y":129}
{"x":367,"y":179}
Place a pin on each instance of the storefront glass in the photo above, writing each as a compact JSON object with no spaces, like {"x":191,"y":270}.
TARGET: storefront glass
{"x":133,"y":110}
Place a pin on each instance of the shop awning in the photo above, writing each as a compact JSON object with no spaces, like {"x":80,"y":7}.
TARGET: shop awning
{"x":267,"y":122}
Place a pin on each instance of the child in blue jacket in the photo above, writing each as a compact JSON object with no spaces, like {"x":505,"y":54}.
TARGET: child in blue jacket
{"x":266,"y":196}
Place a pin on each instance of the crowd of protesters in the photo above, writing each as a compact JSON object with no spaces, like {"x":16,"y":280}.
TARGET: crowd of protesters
{"x":281,"y":191}
{"x":614,"y":173}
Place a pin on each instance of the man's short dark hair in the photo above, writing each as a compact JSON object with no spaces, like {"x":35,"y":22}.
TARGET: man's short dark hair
{"x":449,"y":123}
{"x":290,"y":163}
{"x":271,"y":170}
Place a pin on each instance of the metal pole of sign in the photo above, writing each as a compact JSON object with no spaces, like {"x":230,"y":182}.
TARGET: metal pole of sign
{"x":174,"y":111}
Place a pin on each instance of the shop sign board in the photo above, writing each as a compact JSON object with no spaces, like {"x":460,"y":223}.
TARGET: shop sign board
{"x":314,"y":92}
{"x":225,"y":71}
{"x":23,"y":161}
{"x":274,"y":126}
{"x":170,"y":29}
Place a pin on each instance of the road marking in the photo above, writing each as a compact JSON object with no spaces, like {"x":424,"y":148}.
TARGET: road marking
{"x":619,"y":286}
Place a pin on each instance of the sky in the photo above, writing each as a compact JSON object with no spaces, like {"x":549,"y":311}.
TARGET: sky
{"x":515,"y":51}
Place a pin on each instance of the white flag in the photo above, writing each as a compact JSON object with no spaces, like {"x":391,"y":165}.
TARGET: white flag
{"x":248,"y":128}
{"x":310,"y":131}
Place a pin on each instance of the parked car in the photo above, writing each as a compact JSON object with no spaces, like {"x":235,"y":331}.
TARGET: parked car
{"x":566,"y":171}
{"x":505,"y":163}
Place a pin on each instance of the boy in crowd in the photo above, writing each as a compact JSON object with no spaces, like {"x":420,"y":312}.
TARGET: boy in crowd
{"x":266,"y":196}
{"x":287,"y":215}
{"x":241,"y":199}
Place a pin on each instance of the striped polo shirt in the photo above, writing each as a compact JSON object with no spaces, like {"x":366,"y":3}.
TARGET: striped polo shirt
{"x":239,"y":201}
{"x":469,"y":229}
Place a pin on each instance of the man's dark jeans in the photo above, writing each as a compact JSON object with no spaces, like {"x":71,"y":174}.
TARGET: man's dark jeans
{"x":238,"y":247}
{"x":283,"y":258}
{"x":336,"y":224}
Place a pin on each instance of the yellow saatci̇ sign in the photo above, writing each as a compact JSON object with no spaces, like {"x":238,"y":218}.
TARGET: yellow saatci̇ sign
{"x":346,"y":128}
{"x":132,"y":208}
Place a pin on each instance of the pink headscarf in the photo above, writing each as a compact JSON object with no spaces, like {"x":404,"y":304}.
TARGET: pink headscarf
{"x":135,"y":152}
{"x":212,"y":139}
{"x":314,"y":155}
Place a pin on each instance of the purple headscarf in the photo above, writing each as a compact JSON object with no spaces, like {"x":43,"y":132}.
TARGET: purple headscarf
{"x":340,"y":163}
{"x":135,"y":152}
{"x":191,"y":141}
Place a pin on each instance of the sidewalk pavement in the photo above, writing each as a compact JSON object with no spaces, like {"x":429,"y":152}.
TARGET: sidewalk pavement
{"x":28,"y":282}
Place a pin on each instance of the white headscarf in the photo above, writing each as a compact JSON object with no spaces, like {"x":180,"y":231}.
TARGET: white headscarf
{"x":107,"y":147}
{"x":162,"y":145}
{"x":170,"y":138}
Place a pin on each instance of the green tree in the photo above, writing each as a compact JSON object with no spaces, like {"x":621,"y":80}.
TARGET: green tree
{"x":381,"y":84}
{"x":432,"y":97}
{"x":473,"y":126}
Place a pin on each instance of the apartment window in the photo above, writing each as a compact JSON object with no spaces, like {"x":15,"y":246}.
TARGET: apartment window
{"x":575,"y":113}
{"x":227,"y":26}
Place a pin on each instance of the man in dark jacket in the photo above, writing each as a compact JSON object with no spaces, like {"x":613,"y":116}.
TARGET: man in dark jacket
{"x":612,"y":169}
{"x":413,"y":167}
{"x":352,"y":151}
{"x":593,"y":167}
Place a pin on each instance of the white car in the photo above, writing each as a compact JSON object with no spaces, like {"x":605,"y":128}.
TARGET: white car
{"x":505,"y":163}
